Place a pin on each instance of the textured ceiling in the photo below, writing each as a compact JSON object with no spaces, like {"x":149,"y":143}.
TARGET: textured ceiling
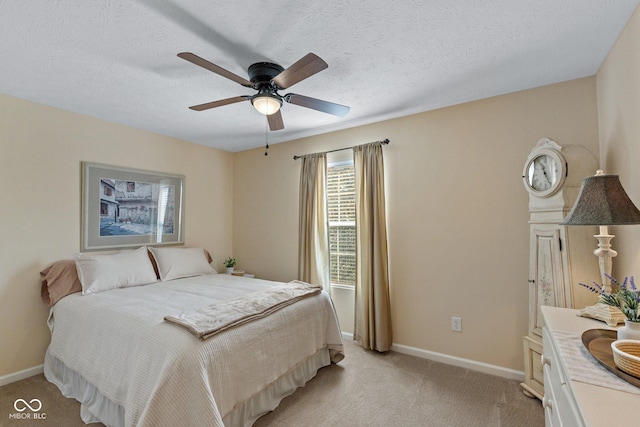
{"x":116,"y":59}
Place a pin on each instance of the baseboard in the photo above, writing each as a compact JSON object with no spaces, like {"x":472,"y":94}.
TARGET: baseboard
{"x":20,"y":375}
{"x":347,"y":336}
{"x":452,"y":360}
{"x":460,"y":362}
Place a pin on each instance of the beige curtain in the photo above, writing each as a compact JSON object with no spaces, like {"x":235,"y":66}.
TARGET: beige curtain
{"x":372,"y":311}
{"x":313,"y":229}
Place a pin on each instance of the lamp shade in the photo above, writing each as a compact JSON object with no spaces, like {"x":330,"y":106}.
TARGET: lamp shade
{"x":602,"y":201}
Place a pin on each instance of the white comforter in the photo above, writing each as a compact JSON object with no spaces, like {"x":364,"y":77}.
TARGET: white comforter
{"x":163,"y":375}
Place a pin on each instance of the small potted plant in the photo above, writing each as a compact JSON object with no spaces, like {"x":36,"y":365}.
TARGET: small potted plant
{"x":627,"y":300}
{"x":229,"y":264}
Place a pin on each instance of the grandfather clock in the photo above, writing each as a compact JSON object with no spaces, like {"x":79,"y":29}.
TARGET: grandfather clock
{"x":560,"y":257}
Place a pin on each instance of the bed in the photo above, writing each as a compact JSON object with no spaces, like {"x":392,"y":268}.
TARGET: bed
{"x":113,"y":350}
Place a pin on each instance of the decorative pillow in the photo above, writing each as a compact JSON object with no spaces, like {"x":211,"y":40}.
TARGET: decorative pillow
{"x":175,"y":263}
{"x":59,"y":280}
{"x":101,"y":272}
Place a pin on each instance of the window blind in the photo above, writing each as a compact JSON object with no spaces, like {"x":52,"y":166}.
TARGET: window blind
{"x":342,"y":225}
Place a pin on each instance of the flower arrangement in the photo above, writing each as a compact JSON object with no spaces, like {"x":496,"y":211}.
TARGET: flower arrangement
{"x":229,"y":262}
{"x":626,"y":298}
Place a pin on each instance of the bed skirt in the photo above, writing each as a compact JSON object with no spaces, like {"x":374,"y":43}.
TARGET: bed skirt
{"x":95,"y":407}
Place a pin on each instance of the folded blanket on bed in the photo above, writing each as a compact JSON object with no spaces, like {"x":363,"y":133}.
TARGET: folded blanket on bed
{"x":212,"y":319}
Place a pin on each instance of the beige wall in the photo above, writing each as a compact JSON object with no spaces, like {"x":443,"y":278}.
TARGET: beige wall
{"x":618,"y":88}
{"x":457,"y":213}
{"x":40,"y":153}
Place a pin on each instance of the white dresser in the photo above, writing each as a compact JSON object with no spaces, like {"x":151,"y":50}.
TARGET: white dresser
{"x":571,"y":402}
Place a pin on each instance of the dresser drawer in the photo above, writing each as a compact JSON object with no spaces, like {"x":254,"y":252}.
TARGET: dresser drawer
{"x":560,"y":406}
{"x":551,"y":414}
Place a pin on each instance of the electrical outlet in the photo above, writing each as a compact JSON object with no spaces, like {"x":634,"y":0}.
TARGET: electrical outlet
{"x":456,"y":324}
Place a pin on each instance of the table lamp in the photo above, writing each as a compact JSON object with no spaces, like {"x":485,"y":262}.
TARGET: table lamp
{"x":602,"y":201}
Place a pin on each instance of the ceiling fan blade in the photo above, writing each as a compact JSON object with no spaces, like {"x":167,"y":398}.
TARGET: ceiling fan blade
{"x":307,"y":66}
{"x":220,"y":103}
{"x":195,"y":59}
{"x":275,"y":121}
{"x":317,"y":104}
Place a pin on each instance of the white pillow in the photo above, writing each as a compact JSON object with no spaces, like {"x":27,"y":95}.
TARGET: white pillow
{"x":101,"y":272}
{"x":174,"y":263}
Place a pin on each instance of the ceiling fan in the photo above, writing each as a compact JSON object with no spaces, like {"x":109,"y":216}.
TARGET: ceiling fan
{"x":268,"y":78}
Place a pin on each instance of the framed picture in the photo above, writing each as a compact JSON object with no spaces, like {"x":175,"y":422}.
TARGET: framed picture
{"x":124,"y":207}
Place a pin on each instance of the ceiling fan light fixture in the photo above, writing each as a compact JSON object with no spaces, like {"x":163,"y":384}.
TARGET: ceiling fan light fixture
{"x":266,"y":104}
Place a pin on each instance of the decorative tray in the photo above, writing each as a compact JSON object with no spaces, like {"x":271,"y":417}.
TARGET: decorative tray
{"x":598,"y":342}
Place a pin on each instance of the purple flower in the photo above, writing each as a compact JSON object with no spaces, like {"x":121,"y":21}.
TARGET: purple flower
{"x":627,"y":298}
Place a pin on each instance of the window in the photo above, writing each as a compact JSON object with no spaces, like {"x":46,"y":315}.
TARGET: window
{"x":341,"y":199}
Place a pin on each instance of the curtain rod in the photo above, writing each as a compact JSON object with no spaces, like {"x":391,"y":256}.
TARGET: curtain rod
{"x":383,"y":142}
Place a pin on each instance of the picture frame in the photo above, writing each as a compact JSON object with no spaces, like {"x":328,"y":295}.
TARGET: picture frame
{"x":124,"y":207}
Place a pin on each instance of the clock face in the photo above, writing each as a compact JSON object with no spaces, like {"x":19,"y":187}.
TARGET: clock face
{"x":543,"y":172}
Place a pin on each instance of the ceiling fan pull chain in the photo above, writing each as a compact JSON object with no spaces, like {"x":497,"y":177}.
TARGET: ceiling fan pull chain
{"x":266,"y":137}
